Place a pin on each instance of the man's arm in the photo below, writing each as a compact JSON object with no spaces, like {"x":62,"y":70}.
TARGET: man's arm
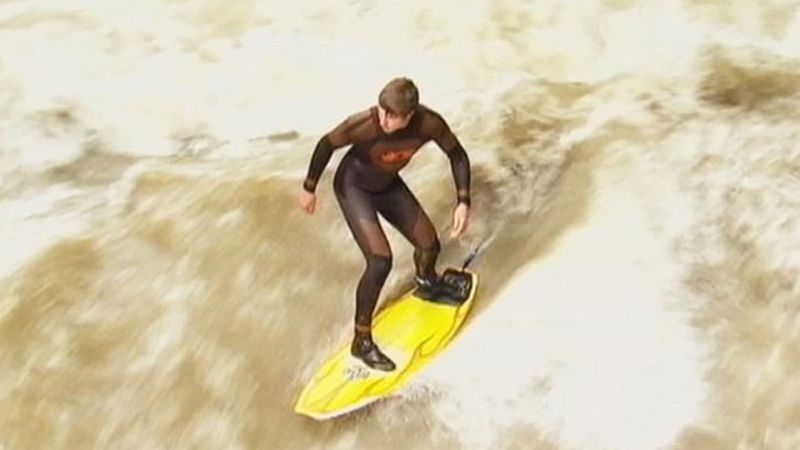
{"x":459,"y":161}
{"x":340,"y":136}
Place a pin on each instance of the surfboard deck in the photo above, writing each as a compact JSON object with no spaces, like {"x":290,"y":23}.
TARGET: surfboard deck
{"x":411,"y":331}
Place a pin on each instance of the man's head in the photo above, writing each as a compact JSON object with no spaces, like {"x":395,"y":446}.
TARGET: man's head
{"x":397,"y":102}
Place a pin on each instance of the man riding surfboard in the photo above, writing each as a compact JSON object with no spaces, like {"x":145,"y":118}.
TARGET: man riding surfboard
{"x":382,"y":140}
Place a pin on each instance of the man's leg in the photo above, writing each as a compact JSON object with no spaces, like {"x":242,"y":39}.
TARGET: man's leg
{"x":401,"y":208}
{"x":360,"y":214}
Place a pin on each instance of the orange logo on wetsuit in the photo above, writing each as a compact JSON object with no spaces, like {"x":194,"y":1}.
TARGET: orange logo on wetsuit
{"x":395,"y":156}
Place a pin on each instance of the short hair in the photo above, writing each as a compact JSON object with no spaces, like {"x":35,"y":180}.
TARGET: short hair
{"x":399,"y":96}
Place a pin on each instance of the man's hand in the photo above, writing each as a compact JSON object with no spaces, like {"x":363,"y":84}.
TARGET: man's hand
{"x":308,"y":201}
{"x":460,"y":220}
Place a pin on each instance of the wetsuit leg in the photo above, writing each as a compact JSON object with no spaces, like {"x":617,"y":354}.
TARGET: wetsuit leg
{"x":358,"y":207}
{"x":402,"y":209}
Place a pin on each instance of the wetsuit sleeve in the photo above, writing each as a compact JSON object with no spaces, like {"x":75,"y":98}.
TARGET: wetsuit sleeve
{"x":336,"y":138}
{"x":459,"y":161}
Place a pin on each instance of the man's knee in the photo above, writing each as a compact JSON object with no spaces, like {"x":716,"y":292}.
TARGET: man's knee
{"x":379,"y":265}
{"x":433,"y":247}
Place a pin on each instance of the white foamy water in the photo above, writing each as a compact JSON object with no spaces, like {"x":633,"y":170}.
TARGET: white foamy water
{"x":587,"y":343}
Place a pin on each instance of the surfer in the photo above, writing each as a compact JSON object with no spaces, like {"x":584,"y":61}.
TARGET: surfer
{"x":382,"y":140}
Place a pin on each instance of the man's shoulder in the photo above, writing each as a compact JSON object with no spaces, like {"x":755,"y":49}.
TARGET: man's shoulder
{"x":359,"y":117}
{"x":356,"y":127}
{"x":433,"y":124}
{"x":426,"y":110}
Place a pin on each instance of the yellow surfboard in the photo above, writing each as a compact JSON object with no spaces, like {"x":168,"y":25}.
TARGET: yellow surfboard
{"x":411,"y":331}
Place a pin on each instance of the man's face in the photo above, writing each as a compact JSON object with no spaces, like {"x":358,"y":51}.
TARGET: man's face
{"x":391,"y":122}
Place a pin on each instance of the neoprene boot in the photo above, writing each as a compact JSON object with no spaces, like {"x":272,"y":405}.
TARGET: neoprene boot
{"x":433,"y":286}
{"x":365,"y":349}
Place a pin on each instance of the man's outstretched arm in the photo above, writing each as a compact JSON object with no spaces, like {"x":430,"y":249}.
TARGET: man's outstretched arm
{"x":459,"y":161}
{"x":336,"y":138}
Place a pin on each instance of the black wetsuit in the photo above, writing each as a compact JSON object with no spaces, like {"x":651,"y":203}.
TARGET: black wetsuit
{"x":367,"y":183}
